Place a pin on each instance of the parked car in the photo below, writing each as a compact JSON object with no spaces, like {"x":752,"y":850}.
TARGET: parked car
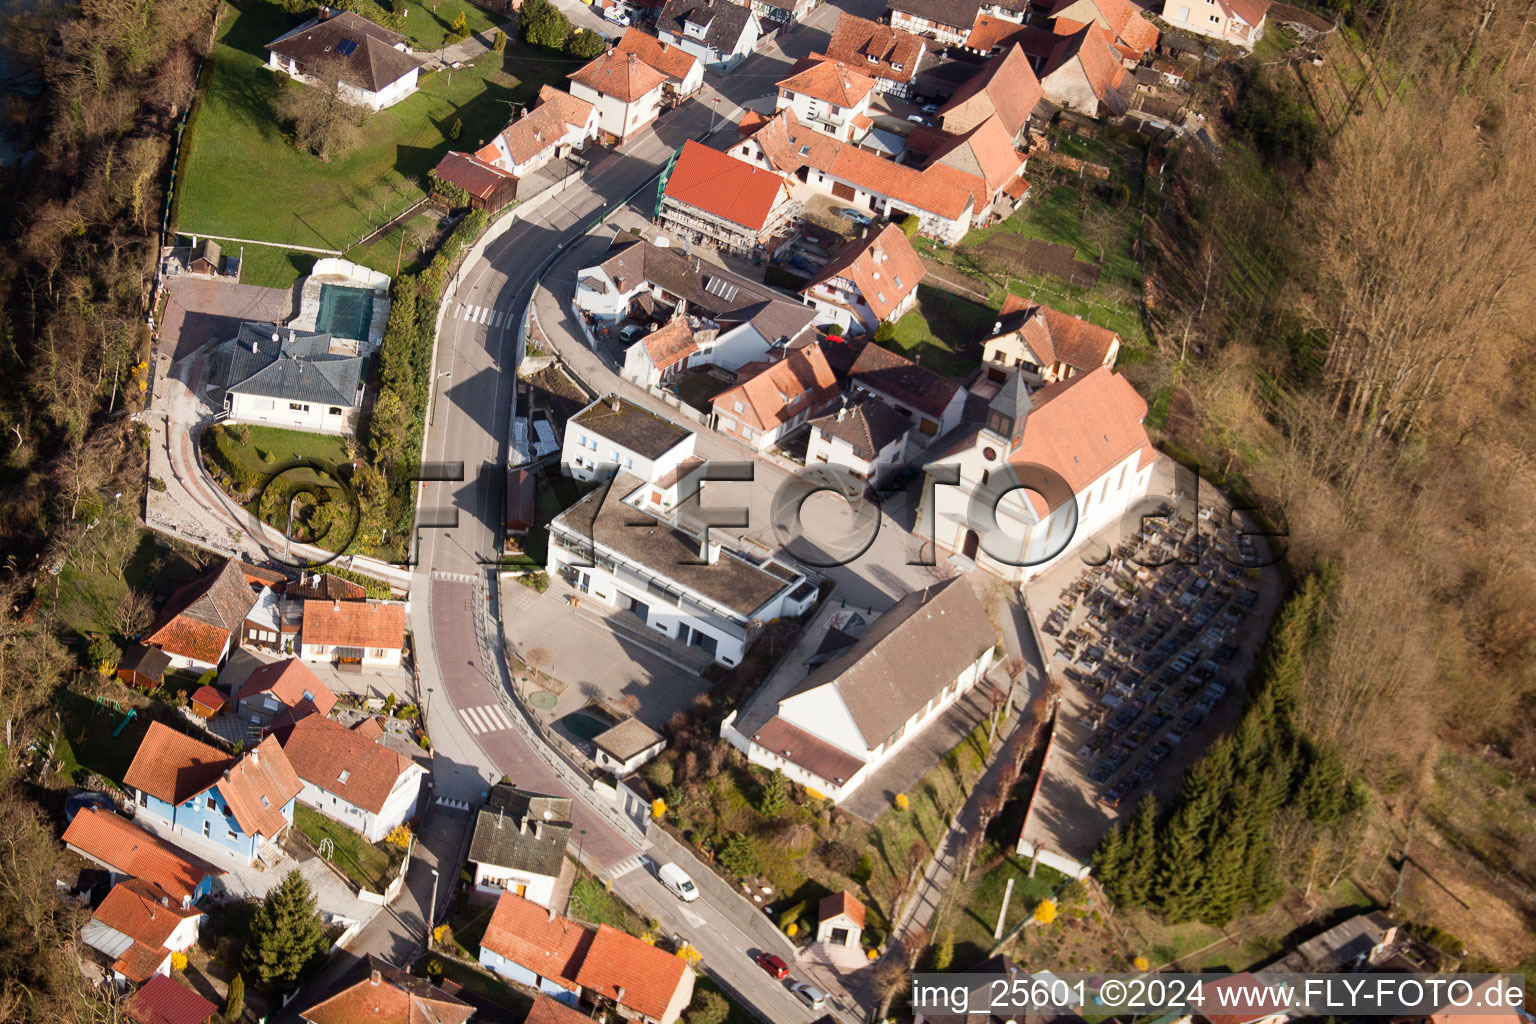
{"x":616,"y":16}
{"x":811,"y":996}
{"x":632,"y":331}
{"x":916,"y":119}
{"x":859,"y":217}
{"x":774,"y":965}
{"x":677,"y":882}
{"x":930,"y":108}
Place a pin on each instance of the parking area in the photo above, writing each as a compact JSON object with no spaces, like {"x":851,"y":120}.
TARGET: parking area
{"x":1152,"y":650}
{"x":204,"y":309}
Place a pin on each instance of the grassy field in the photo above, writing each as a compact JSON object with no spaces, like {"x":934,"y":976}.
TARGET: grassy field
{"x":975,"y":921}
{"x":595,"y":905}
{"x":368,"y":865}
{"x":286,"y":447}
{"x":84,"y":741}
{"x":943,"y":332}
{"x":394,"y":254}
{"x":427,"y":24}
{"x":269,"y":267}
{"x":243,"y":178}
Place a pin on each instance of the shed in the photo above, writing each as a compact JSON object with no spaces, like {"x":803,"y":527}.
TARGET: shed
{"x":143,"y":666}
{"x":521,"y":486}
{"x":840,"y":920}
{"x":164,"y":1000}
{"x":627,"y":746}
{"x":206,"y":257}
{"x":207,"y":701}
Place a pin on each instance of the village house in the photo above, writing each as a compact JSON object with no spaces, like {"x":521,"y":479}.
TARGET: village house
{"x":558,"y":125}
{"x":127,"y":851}
{"x":1044,"y":344}
{"x":626,"y":92}
{"x":867,"y":438}
{"x":888,"y":55}
{"x":1005,"y":88}
{"x":931,"y":403}
{"x":380,"y":994}
{"x":239,"y":806}
{"x":829,"y":96}
{"x":870,"y":281}
{"x":853,"y":712}
{"x":613,"y":436}
{"x":282,"y":692}
{"x":663,"y":353}
{"x":1045,"y":472}
{"x":281,"y":377}
{"x":719,"y":33}
{"x":369,"y":633}
{"x":949,"y":21}
{"x":714,"y":199}
{"x":164,"y":1000}
{"x":684,"y":71}
{"x":349,"y":777}
{"x":1239,"y":22}
{"x":136,"y":929}
{"x":625,"y":747}
{"x":375,"y":66}
{"x":1131,"y":35}
{"x":1084,"y":72}
{"x":324,"y":586}
{"x":770,"y":400}
{"x":272,"y":624}
{"x":201,"y":623}
{"x":606,"y":968}
{"x":519,"y":843}
{"x":689,"y":588}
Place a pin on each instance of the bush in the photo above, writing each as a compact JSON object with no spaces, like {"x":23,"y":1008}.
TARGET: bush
{"x":423,"y":742}
{"x":709,"y":1007}
{"x":399,"y":836}
{"x":658,"y":774}
{"x":885,"y":332}
{"x":535,"y":581}
{"x":901,"y":803}
{"x":234,"y":1002}
{"x":864,"y":870}
{"x":739,"y":856}
{"x":450,"y":193}
{"x":157,"y":485}
{"x":499,"y":43}
{"x":586,"y":44}
{"x":104,"y":655}
{"x":457,"y":128}
{"x":910,"y":223}
{"x":179,"y":961}
{"x":791,"y":914}
{"x":943,"y":951}
{"x":460,"y":27}
{"x":544,"y":24}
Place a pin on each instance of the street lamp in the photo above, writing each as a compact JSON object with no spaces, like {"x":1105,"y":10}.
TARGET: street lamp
{"x":432,"y":908}
{"x":425,"y":705}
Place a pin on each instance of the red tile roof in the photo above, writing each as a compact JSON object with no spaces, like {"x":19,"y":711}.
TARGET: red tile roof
{"x":624,"y":76}
{"x":875,"y":265}
{"x":815,"y":755}
{"x":671,"y":61}
{"x":386,"y":995}
{"x":1247,"y":1004}
{"x":534,"y":937}
{"x":474,"y":176}
{"x":354,"y":624}
{"x":134,"y":908}
{"x":127,"y":849}
{"x":890,"y":373}
{"x":670,"y":343}
{"x":991,"y":31}
{"x":1005,"y":86}
{"x":1120,"y":18}
{"x":855,"y":40}
{"x":289,"y":680}
{"x":831,"y":81}
{"x":322,"y":750}
{"x":1056,"y":336}
{"x":208,"y":697}
{"x":649,"y":976}
{"x":198,"y":619}
{"x":164,"y":1000}
{"x":778,"y":391}
{"x":841,"y":903}
{"x":724,"y":186}
{"x":1083,"y":427}
{"x":1095,"y":51}
{"x":258,"y":787}
{"x":547,"y":1010}
{"x":986,"y":150}
{"x":1251,"y":11}
{"x":931,"y":190}
{"x":174,"y":767}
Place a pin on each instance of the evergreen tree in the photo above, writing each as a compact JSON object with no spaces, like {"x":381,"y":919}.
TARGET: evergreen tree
{"x":775,"y":795}
{"x":544,"y":24}
{"x":1135,"y":884}
{"x":286,"y":940}
{"x":1185,"y":843}
{"x":234,"y":1002}
{"x":1227,"y":881}
{"x":1109,"y":862}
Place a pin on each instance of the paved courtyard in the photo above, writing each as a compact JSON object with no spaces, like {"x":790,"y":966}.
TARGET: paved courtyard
{"x":204,"y":309}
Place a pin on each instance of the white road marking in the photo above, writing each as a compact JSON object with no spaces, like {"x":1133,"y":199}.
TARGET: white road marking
{"x":487,"y":718}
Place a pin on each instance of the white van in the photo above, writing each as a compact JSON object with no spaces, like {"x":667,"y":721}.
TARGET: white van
{"x":678,"y":883}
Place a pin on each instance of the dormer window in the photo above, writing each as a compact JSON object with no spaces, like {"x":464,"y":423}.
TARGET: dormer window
{"x":344,"y":776}
{"x":895,"y":66}
{"x":265,"y":802}
{"x":872,"y":58}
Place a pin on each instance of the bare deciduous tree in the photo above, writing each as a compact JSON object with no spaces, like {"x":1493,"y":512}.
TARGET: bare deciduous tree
{"x":323,"y":121}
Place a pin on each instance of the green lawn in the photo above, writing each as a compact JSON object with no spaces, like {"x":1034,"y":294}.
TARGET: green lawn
{"x":595,"y":905}
{"x":467,"y":922}
{"x":975,"y":921}
{"x":427,"y":24}
{"x":944,"y":332}
{"x":243,"y":178}
{"x":391,"y":253}
{"x":84,"y":742}
{"x":269,"y":267}
{"x":369,"y":866}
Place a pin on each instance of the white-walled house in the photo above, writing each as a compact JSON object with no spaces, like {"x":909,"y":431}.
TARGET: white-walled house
{"x":840,"y":920}
{"x":933,"y":404}
{"x":353,"y":632}
{"x":867,"y":438}
{"x":870,"y":281}
{"x":1239,"y":22}
{"x":684,"y":71}
{"x":1046,"y":472}
{"x":1044,"y":344}
{"x":201,"y":622}
{"x":281,"y":377}
{"x":771,"y":399}
{"x":719,"y":33}
{"x":378,"y":67}
{"x":137,"y":928}
{"x":350,"y":777}
{"x":690,"y":588}
{"x":613,"y":437}
{"x":852,"y":713}
{"x":626,"y":92}
{"x":519,"y":843}
{"x":830,"y":97}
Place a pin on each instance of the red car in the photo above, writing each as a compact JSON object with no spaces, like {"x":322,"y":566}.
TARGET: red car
{"x":775,"y":966}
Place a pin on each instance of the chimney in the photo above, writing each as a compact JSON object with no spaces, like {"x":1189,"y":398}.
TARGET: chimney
{"x":551,"y":915}
{"x":537,"y":829}
{"x":255,"y":756}
{"x":336,"y":604}
{"x":522,"y":826}
{"x":842,"y":412}
{"x":618,"y":995}
{"x":614,"y":402}
{"x":374,"y":977}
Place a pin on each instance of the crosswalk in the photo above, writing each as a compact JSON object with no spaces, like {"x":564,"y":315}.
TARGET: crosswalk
{"x":484,"y":719}
{"x":486,"y":316}
{"x":625,"y":866}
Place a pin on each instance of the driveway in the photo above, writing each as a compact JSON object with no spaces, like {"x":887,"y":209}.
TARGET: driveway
{"x":204,"y":309}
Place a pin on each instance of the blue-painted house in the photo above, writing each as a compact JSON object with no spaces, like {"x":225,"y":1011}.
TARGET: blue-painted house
{"x":241,"y":806}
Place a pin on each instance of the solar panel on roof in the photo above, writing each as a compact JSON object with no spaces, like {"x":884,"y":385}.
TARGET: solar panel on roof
{"x":346,"y":47}
{"x":723,"y":289}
